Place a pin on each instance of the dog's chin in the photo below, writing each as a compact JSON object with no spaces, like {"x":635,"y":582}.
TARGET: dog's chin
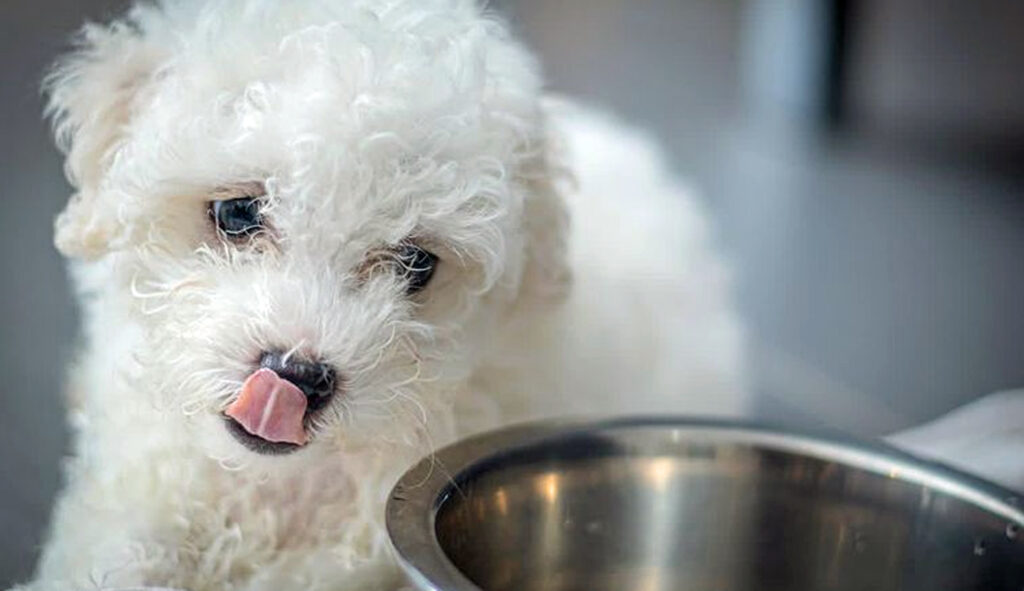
{"x":258,"y":444}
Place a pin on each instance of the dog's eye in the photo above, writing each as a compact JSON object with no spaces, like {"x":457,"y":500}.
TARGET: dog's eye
{"x":237,"y":218}
{"x":416,"y":266}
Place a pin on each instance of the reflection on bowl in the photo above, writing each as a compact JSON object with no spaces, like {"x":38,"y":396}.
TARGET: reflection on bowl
{"x":667,"y":504}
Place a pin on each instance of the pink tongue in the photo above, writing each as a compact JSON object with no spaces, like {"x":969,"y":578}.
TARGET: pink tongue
{"x":271,"y":408}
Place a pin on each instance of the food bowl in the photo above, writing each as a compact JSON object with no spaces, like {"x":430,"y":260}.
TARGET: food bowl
{"x":674,"y":504}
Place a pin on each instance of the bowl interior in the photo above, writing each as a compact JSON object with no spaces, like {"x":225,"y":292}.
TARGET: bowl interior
{"x":655,"y":510}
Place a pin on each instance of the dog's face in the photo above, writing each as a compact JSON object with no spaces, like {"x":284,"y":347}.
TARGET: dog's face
{"x":315,"y":216}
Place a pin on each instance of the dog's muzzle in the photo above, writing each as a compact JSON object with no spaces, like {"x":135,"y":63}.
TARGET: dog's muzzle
{"x":270,"y":414}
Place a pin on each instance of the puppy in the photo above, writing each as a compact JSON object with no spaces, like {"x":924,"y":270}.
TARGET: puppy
{"x":313,"y":240}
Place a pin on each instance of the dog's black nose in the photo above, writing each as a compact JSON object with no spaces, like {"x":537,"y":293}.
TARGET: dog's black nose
{"x":316,"y":380}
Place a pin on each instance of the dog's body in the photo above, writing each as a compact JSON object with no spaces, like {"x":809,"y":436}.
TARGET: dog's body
{"x":360,"y":129}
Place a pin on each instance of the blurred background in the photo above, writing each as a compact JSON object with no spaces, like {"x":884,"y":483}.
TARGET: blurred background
{"x":863,"y":161}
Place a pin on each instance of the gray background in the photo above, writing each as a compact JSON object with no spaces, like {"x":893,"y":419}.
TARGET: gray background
{"x":878,"y":268}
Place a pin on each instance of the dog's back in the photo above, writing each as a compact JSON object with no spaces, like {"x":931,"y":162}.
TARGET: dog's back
{"x":650,"y":325}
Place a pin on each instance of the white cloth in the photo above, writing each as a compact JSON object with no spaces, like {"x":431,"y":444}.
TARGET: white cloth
{"x":984,"y":438}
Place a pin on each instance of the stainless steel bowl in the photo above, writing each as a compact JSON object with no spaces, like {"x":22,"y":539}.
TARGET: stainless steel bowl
{"x":651,"y":504}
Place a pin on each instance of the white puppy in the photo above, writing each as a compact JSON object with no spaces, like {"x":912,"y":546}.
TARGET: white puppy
{"x":315,"y":239}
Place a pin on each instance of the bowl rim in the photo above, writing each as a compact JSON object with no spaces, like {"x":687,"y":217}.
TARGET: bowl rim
{"x":414,"y":501}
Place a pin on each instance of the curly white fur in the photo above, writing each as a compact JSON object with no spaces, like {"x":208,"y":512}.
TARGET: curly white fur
{"x":366,"y":122}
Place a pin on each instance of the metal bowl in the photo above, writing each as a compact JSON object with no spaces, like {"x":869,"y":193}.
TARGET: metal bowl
{"x":658,"y":504}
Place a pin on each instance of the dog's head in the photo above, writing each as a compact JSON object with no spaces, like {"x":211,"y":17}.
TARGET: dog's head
{"x":314,"y":214}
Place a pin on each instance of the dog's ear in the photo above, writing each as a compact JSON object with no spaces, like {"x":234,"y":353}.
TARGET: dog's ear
{"x":92,"y":93}
{"x":546,"y":276}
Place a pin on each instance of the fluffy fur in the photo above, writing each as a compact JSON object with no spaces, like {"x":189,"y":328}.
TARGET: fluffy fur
{"x":366,"y":122}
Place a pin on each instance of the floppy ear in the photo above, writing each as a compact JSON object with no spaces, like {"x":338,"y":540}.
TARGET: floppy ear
{"x":92,"y":92}
{"x":546,"y":276}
